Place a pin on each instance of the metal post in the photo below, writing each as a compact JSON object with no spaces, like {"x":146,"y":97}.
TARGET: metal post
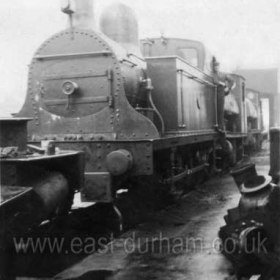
{"x":274,"y":171}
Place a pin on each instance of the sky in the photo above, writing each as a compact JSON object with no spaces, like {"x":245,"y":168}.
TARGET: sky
{"x":241,"y":33}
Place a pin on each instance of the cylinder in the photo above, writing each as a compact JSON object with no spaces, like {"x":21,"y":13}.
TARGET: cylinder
{"x":274,"y":171}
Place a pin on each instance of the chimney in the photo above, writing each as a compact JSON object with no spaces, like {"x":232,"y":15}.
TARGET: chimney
{"x":80,"y":13}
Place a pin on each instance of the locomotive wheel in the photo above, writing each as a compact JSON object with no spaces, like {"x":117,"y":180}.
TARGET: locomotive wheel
{"x":145,"y":195}
{"x":110,"y":216}
{"x":64,"y":209}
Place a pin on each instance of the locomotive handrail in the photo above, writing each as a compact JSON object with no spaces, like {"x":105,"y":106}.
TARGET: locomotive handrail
{"x":191,"y":76}
{"x":71,"y":55}
{"x":83,"y":100}
{"x":179,"y":58}
{"x":138,"y":57}
{"x":128,"y":61}
{"x":76,"y":75}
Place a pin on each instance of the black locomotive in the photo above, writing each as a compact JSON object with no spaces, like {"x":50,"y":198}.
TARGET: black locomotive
{"x":131,"y":114}
{"x":250,"y":236}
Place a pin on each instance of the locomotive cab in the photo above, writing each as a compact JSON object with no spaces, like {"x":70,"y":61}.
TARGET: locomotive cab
{"x":194,"y":52}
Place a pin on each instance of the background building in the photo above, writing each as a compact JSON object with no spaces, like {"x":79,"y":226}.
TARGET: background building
{"x":267,"y":83}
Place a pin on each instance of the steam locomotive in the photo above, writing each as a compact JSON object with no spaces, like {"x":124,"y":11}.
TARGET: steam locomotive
{"x":37,"y":185}
{"x":133,"y":109}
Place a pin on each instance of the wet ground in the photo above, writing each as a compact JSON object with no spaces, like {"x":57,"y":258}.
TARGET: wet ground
{"x":179,"y":242}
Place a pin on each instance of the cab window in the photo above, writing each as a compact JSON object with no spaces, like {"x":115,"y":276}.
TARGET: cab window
{"x":190,"y":55}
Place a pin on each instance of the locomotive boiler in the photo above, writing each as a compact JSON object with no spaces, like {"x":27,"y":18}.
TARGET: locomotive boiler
{"x":131,"y":116}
